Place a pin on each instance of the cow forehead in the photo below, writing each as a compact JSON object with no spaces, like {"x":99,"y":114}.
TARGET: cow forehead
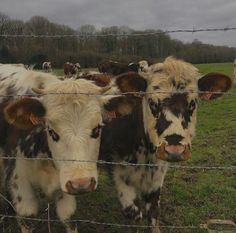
{"x":166,"y":87}
{"x":173,"y":75}
{"x":71,"y":101}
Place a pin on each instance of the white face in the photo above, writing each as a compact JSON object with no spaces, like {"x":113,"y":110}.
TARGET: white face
{"x":171,"y":114}
{"x":74,"y":125}
{"x":169,"y":117}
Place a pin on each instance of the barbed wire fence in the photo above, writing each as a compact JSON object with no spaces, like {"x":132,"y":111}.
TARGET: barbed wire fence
{"x":193,"y":30}
{"x":178,"y":167}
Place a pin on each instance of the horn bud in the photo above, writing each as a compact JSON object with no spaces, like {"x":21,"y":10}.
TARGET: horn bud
{"x":38,"y":91}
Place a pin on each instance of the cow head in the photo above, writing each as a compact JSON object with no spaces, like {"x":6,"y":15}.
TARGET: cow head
{"x":73,"y":124}
{"x":169,"y":105}
{"x":143,"y":65}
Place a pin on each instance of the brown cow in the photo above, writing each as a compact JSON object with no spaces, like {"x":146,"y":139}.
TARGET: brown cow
{"x":71,"y":69}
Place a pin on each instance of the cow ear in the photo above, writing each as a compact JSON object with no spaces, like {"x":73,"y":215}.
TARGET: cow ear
{"x":131,"y":82}
{"x":213,"y":82}
{"x":120,"y":106}
{"x":25,"y":113}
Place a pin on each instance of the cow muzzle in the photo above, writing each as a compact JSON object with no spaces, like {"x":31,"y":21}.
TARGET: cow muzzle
{"x":173,"y":153}
{"x":79,"y":186}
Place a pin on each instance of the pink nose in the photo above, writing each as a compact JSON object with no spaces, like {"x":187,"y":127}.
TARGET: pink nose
{"x":173,"y":153}
{"x":174,"y":149}
{"x":81,"y":185}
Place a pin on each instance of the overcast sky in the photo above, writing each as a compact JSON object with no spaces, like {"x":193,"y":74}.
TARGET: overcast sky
{"x":137,"y":14}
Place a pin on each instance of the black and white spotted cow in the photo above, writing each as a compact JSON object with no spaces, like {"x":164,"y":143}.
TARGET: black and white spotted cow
{"x":158,"y":129}
{"x":59,"y":127}
{"x":47,"y":66}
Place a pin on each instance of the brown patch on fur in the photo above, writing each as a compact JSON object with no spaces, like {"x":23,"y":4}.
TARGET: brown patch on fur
{"x":24,"y":113}
{"x":131,"y":82}
{"x":101,"y":80}
{"x":214,"y":82}
{"x":121,"y":106}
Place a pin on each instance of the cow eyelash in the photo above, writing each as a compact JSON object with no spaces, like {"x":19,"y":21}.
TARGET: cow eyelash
{"x":192,"y":104}
{"x":155,"y":107}
{"x":53,"y":134}
{"x":96,"y":131}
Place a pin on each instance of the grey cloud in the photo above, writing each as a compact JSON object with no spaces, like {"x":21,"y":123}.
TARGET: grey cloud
{"x":137,"y":14}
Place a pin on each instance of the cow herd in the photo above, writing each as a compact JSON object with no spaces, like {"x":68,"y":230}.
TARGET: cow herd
{"x":73,"y":70}
{"x":135,"y":114}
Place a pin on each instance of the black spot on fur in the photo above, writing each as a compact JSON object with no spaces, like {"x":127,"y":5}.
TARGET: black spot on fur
{"x":19,"y":198}
{"x":152,"y":196}
{"x":188,"y":113}
{"x":96,"y":132}
{"x":127,"y":181}
{"x":55,"y":137}
{"x":153,"y":199}
{"x":155,"y":107}
{"x":132,"y":212}
{"x":177,"y":104}
{"x":162,"y":124}
{"x":35,"y":142}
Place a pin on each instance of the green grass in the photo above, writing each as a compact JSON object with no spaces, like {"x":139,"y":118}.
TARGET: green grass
{"x":60,"y":72}
{"x":226,"y":68}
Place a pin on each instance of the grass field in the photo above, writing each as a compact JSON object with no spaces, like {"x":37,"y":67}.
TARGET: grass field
{"x":189,"y":197}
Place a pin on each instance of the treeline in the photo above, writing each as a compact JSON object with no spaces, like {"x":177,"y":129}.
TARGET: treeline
{"x":93,"y":46}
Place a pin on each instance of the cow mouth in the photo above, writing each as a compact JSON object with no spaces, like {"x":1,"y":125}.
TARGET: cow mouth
{"x":173,"y":153}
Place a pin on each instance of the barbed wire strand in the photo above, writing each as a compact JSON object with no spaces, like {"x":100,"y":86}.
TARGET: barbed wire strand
{"x":140,"y":93}
{"x":49,"y":220}
{"x":185,"y":167}
{"x":201,"y":226}
{"x":193,"y":30}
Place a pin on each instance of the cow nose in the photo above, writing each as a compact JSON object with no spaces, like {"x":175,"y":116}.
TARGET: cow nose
{"x":177,"y":152}
{"x":173,"y":153}
{"x":174,"y":149}
{"x":82,"y":185}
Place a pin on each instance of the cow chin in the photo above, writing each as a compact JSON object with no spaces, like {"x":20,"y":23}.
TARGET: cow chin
{"x":78,"y":180}
{"x":173,"y":153}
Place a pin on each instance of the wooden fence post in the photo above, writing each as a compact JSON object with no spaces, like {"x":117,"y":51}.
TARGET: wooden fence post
{"x":234,"y":74}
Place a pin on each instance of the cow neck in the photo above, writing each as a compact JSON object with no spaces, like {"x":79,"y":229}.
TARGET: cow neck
{"x":148,"y":143}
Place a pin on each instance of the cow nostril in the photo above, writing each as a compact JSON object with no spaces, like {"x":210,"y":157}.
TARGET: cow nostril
{"x":69,"y":187}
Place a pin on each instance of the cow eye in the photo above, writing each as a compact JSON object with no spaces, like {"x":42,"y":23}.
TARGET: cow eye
{"x":192,"y":105}
{"x":155,"y":107}
{"x":96,"y":131}
{"x":55,"y":137}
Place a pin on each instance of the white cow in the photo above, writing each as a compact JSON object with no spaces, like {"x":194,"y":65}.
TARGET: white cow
{"x":54,"y":126}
